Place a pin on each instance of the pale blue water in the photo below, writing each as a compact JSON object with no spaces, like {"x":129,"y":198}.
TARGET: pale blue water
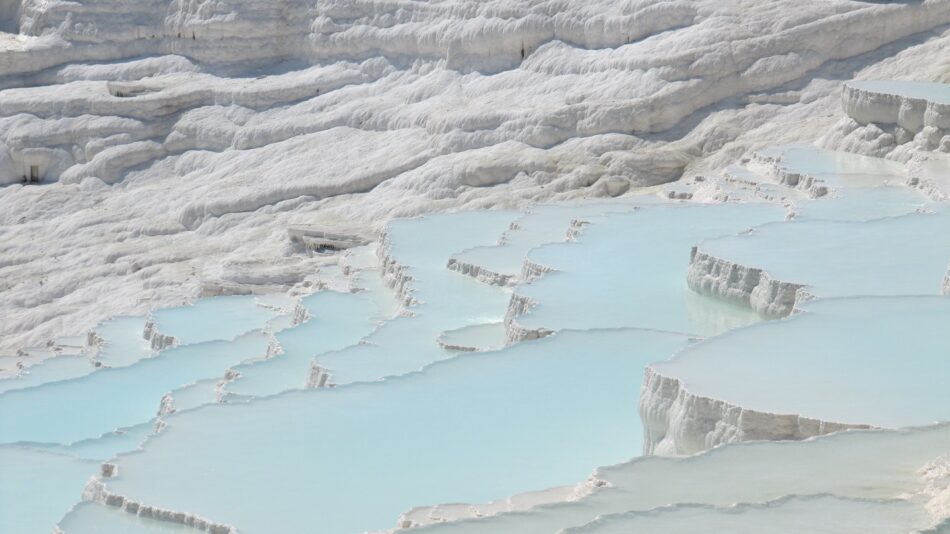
{"x":213,"y":319}
{"x":862,"y":204}
{"x":861,"y":188}
{"x":90,"y":406}
{"x":447,"y":300}
{"x":57,"y":368}
{"x":488,"y":336}
{"x":337,"y":321}
{"x":872,"y":464}
{"x":542,"y":224}
{"x":629,"y":270}
{"x":122,"y":345}
{"x":472,"y":429}
{"x":108,"y":445}
{"x":904,"y":255}
{"x":877,"y":361}
{"x":195,"y":395}
{"x":838,"y":169}
{"x":37,"y":488}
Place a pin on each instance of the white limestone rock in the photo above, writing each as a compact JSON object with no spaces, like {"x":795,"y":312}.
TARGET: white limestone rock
{"x":748,"y":286}
{"x":679,"y":423}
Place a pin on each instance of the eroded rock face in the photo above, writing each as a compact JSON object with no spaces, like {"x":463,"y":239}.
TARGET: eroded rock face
{"x":156,"y":339}
{"x":748,"y":286}
{"x":905,"y":105}
{"x":797,"y":378}
{"x":677,"y":422}
{"x":894,"y":119}
{"x":96,"y":491}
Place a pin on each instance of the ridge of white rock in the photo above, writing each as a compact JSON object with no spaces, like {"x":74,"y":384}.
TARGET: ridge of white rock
{"x":394,"y":273}
{"x":318,"y":377}
{"x":680,"y":423}
{"x":514,"y":332}
{"x":739,"y":284}
{"x":480,"y":273}
{"x":918,"y":110}
{"x":156,"y":339}
{"x":811,"y":185}
{"x":96,"y":491}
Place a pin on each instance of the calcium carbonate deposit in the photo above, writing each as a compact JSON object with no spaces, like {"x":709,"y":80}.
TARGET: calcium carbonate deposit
{"x":525,"y":266}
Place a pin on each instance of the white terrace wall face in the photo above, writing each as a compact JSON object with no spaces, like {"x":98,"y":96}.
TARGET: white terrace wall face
{"x":356,"y":265}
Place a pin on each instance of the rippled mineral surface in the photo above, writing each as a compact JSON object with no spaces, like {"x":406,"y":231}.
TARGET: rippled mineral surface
{"x":507,"y":266}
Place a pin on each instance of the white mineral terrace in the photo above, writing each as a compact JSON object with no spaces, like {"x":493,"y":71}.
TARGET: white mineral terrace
{"x":887,"y":377}
{"x":858,"y":465}
{"x":774,"y":267}
{"x":279,"y":266}
{"x":912,"y":106}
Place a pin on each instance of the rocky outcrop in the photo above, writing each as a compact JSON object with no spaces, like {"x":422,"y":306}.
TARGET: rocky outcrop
{"x":677,"y":422}
{"x":514,"y":332}
{"x":318,"y":377}
{"x":221,"y":392}
{"x":814,"y":187}
{"x":936,"y":475}
{"x":480,"y":273}
{"x":531,"y":271}
{"x":748,"y":286}
{"x":96,"y":491}
{"x":300,"y":314}
{"x":167,"y":405}
{"x":868,"y":103}
{"x":274,"y":348}
{"x":575,"y":229}
{"x":394,"y":274}
{"x":156,"y":339}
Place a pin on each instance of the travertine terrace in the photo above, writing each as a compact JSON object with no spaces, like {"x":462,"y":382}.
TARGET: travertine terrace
{"x":482,"y":266}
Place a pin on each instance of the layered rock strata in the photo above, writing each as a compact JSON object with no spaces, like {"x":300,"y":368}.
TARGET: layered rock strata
{"x":96,"y":491}
{"x":740,"y":284}
{"x":678,"y":422}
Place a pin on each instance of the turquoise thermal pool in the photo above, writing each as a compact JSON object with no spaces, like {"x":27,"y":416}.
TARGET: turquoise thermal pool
{"x":381,"y":448}
{"x":630,"y":270}
{"x":891,"y":375}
